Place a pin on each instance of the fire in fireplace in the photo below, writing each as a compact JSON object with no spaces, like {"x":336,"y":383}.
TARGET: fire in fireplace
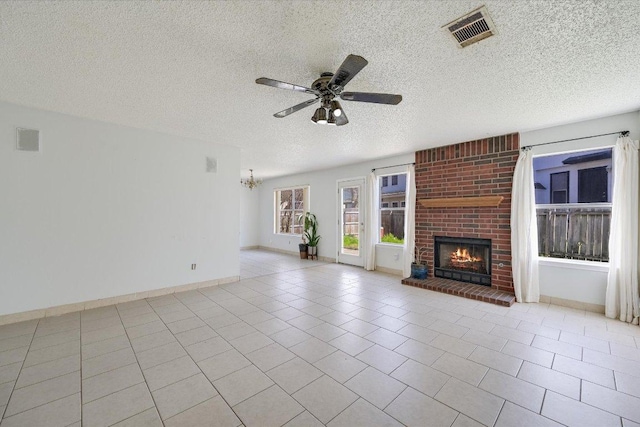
{"x":463,"y":259}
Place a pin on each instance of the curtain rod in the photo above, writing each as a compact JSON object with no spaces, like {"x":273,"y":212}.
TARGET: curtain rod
{"x":394,"y":166}
{"x":621,"y":133}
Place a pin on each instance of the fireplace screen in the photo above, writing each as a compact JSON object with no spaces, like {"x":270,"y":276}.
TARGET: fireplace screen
{"x":466,"y":260}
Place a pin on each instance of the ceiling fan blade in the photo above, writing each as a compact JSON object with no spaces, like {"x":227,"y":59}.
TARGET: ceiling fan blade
{"x":377,"y":98}
{"x":349,"y":68}
{"x":284,"y":85}
{"x":291,"y":110}
{"x":342,"y":120}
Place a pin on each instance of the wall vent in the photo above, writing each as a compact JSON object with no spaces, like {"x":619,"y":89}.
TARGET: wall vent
{"x":28,"y":139}
{"x":212,"y":165}
{"x":472,"y":27}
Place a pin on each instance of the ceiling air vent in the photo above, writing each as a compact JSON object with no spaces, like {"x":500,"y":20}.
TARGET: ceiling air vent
{"x":472,"y":27}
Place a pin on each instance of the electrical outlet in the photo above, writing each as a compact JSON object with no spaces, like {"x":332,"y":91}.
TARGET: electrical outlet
{"x":193,"y":266}
{"x":396,"y":257}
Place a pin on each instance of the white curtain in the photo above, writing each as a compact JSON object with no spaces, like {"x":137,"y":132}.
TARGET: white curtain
{"x":371,"y":220}
{"x":524,"y":231}
{"x":622,"y":283}
{"x":410,"y":222}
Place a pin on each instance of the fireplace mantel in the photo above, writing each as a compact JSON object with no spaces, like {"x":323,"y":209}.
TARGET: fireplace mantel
{"x":462,"y":202}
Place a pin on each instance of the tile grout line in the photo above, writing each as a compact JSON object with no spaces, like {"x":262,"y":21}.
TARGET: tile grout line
{"x":139,"y":367}
{"x":47,"y":379}
{"x":199,"y":369}
{"x":20,"y":372}
{"x":40,"y":406}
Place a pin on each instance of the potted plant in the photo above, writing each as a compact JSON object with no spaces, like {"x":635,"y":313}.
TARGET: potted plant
{"x":302,"y":247}
{"x":310,"y":237}
{"x":312,"y":240}
{"x":306,"y":220}
{"x":419,"y":267}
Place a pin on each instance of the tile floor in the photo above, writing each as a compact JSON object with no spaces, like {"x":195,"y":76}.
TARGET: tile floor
{"x":305,"y":343}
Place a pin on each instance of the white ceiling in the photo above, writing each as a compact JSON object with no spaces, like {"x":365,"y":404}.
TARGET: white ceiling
{"x":188,"y":69}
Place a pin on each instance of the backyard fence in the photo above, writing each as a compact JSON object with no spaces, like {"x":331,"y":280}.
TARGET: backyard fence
{"x":351,"y":222}
{"x":392,"y":222}
{"x":574,"y":232}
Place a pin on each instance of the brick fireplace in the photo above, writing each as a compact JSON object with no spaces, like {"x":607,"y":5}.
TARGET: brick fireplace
{"x":473,"y":170}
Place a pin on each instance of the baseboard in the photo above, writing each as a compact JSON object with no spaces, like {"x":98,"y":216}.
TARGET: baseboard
{"x":296,"y":253}
{"x":88,"y":305}
{"x":248,"y":248}
{"x":392,"y":271}
{"x":578,"y":305}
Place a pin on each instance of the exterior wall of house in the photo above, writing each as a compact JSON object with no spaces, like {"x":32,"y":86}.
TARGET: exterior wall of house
{"x":580,"y":281}
{"x":547,"y":165}
{"x":105,"y":210}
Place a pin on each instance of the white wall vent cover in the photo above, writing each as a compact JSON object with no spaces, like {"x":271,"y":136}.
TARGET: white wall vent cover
{"x":212,"y":165}
{"x":472,"y":27}
{"x":28,"y":139}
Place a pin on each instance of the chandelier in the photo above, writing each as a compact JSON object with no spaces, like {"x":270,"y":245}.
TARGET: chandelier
{"x":250,"y":183}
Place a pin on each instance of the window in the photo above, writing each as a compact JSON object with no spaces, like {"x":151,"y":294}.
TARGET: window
{"x":593,"y":185}
{"x":560,"y":187}
{"x":392,"y":212}
{"x":290,"y":204}
{"x":573,"y":203}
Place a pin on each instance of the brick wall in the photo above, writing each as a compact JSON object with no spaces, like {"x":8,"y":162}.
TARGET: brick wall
{"x":474,"y":168}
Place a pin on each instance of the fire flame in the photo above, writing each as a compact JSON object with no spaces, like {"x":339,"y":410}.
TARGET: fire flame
{"x":463,"y":255}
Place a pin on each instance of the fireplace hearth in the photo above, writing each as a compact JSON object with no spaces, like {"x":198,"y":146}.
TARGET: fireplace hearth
{"x":463,"y":259}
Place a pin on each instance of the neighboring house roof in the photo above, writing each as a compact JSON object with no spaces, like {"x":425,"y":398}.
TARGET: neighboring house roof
{"x":601,"y":155}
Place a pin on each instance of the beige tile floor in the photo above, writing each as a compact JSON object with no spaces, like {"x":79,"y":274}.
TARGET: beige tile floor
{"x":305,"y":343}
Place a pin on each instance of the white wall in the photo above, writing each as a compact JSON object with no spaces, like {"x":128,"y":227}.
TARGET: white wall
{"x":574,"y":280}
{"x":323,"y":203}
{"x":249,"y":217}
{"x":105,"y":210}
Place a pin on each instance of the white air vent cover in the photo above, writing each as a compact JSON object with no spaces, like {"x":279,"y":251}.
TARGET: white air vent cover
{"x":472,"y":27}
{"x":28,"y":139}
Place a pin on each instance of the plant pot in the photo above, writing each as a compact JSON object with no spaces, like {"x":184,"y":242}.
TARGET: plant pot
{"x":312,"y":250}
{"x":303,"y":250}
{"x":419,"y":271}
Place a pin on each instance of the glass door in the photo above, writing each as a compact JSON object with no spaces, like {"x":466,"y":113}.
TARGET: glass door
{"x":351,"y":222}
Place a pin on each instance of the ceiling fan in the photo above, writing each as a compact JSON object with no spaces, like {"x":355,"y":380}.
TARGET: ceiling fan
{"x":327,"y":88}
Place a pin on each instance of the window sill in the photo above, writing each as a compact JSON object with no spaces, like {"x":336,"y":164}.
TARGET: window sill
{"x":574,"y":263}
{"x":390,"y":245}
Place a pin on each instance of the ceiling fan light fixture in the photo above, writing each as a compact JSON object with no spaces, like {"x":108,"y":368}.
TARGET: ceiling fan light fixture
{"x":332,"y":118}
{"x":336,"y":108}
{"x":315,"y":117}
{"x":321,"y":115}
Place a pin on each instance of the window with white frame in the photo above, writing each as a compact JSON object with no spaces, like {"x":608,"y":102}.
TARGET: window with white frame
{"x":573,"y":204}
{"x":290,"y":205}
{"x":393,"y":193}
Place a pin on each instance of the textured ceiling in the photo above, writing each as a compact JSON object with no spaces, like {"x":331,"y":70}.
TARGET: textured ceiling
{"x":188,"y":69}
